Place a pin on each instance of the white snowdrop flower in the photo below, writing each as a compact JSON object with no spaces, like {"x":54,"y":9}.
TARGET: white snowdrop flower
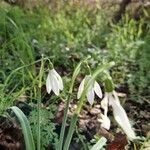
{"x":54,"y":82}
{"x":105,"y":122}
{"x":119,"y":113}
{"x":104,"y":103}
{"x":94,"y":88}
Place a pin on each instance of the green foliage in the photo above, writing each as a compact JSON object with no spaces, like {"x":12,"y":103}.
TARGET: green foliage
{"x":28,"y":137}
{"x":48,"y":133}
{"x":5,"y":102}
{"x":70,"y":32}
{"x":127,"y":47}
{"x":25,"y":35}
{"x":14,"y":41}
{"x":15,"y":49}
{"x":124,"y":40}
{"x":140,"y":75}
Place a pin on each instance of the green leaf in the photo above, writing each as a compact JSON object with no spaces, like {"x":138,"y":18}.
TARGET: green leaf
{"x":101,"y":142}
{"x":25,"y":128}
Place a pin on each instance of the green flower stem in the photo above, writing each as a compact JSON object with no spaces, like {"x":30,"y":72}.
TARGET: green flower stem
{"x":75,"y":74}
{"x":38,"y":122}
{"x":61,"y":139}
{"x":81,"y":102}
{"x":73,"y":122}
{"x":39,"y":106}
{"x":88,"y":67}
{"x":64,"y":123}
{"x":41,"y":72}
{"x":71,"y":131}
{"x":50,"y":65}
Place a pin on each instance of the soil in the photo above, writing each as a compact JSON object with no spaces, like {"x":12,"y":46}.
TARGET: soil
{"x":11,"y":137}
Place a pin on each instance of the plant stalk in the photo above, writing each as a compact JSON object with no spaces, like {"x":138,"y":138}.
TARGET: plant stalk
{"x":39,"y":106}
{"x":81,"y":102}
{"x":71,"y":131}
{"x":38,"y":123}
{"x":75,"y":74}
{"x":61,"y":139}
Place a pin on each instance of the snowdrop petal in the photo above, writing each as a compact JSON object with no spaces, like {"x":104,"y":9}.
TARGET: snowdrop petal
{"x":59,"y":79}
{"x":111,"y":99}
{"x":116,"y":97}
{"x":90,"y":96}
{"x":80,"y":89}
{"x":97,"y":90}
{"x":122,"y":119}
{"x":105,"y":122}
{"x":54,"y":84}
{"x":104,"y":104}
{"x":48,"y":85}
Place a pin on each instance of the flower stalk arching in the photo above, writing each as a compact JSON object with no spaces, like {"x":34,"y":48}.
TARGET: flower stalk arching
{"x":75,"y":74}
{"x":81,"y":102}
{"x":53,"y":83}
{"x":39,"y":97}
{"x":51,"y":66}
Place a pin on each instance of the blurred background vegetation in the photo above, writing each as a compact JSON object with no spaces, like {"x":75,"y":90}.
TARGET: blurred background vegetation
{"x":67,"y":31}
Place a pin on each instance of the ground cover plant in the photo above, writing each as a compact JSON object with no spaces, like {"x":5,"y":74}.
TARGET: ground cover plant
{"x":72,"y":78}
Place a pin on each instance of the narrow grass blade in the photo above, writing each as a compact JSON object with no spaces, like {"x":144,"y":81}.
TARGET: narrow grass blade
{"x":101,"y":142}
{"x":25,"y":128}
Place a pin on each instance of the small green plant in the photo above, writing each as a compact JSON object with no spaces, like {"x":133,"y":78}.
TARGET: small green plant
{"x":48,"y":134}
{"x":86,"y":89}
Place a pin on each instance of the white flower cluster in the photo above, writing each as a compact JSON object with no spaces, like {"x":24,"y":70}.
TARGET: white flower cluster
{"x":110,"y":99}
{"x":54,"y":83}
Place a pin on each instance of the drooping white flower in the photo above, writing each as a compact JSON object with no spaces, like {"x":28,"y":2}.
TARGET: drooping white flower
{"x":105,"y":121}
{"x":119,"y":113}
{"x":94,"y":88}
{"x":104,"y":104}
{"x":54,"y":82}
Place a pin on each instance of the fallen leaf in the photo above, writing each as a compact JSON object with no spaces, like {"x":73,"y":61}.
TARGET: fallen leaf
{"x":118,"y":143}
